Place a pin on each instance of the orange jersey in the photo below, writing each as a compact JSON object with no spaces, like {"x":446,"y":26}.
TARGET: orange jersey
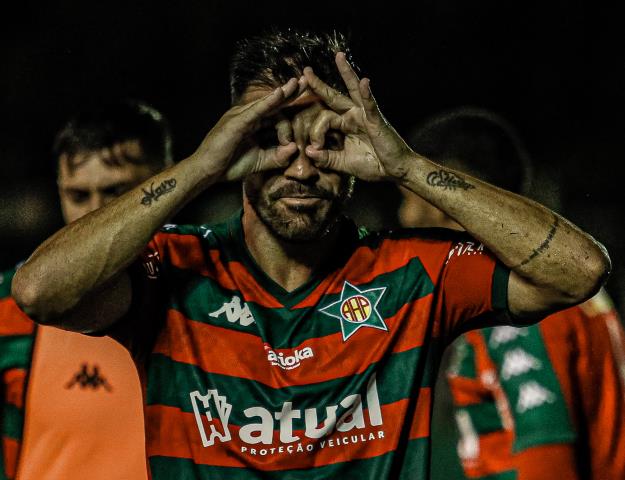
{"x":544,"y":401}
{"x":71,"y":406}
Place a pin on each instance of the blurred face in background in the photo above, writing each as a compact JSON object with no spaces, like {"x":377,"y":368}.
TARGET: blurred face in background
{"x":88,"y":180}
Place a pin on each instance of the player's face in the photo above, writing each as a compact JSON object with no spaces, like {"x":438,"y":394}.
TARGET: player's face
{"x":300,"y":202}
{"x":93,"y":178}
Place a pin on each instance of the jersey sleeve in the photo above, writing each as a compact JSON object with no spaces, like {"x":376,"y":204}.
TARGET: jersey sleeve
{"x":138,"y":329}
{"x":600,"y":378}
{"x":473,"y":289}
{"x":17,"y":333}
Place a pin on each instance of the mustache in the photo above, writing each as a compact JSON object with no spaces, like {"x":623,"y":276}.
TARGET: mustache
{"x":300,"y":190}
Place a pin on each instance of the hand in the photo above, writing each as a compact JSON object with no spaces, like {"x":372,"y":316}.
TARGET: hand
{"x":227,"y":150}
{"x":372,"y":148}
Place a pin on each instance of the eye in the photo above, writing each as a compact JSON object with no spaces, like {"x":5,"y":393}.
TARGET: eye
{"x":267,"y":138}
{"x":77,"y":196}
{"x":334,"y":140}
{"x":116,"y":190}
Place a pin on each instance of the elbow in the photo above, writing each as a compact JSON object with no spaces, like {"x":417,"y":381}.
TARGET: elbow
{"x":30,"y":297}
{"x":597,"y":268}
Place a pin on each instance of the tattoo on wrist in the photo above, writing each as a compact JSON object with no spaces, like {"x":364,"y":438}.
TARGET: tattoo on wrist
{"x":447,"y":180}
{"x":153,"y":194}
{"x":545,"y":245}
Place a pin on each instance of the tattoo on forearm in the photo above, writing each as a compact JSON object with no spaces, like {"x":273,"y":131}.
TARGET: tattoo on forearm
{"x":447,"y":180}
{"x":545,"y":245}
{"x":153,"y":194}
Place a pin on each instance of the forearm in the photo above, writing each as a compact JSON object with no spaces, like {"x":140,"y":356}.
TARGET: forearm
{"x":86,"y":254}
{"x":534,"y":242}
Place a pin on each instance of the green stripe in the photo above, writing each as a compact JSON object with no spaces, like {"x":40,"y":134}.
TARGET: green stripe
{"x":3,"y":475}
{"x":508,"y":475}
{"x":288,"y":328}
{"x":12,"y":421}
{"x":387,"y":466}
{"x":170,"y":383}
{"x":544,"y":420}
{"x":15,"y":351}
{"x":499,"y":297}
{"x":485,"y":417}
{"x":5,"y":283}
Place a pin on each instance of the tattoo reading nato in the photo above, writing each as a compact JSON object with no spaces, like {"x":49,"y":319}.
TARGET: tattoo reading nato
{"x":153,"y":194}
{"x":447,"y":180}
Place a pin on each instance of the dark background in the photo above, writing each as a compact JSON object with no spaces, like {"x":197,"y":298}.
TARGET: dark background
{"x":555,"y":69}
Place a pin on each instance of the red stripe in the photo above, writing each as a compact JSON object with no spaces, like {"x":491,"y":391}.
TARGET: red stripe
{"x":14,"y":321}
{"x":10,"y":450}
{"x":185,"y":252}
{"x":211,"y":348}
{"x":14,"y":381}
{"x":367,"y":263}
{"x":420,"y":426}
{"x":172,"y":433}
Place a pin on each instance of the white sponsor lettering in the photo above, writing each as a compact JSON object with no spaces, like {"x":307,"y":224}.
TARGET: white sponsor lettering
{"x":218,"y":409}
{"x":235,"y":312}
{"x":288,"y":362}
{"x":259,"y":430}
{"x":466,"y":248}
{"x":469,"y":442}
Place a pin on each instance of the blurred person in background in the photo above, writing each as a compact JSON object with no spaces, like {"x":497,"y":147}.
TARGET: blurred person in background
{"x":543,"y":401}
{"x":72,"y":404}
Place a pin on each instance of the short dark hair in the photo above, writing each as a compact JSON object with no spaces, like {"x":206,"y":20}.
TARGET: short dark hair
{"x":477,"y":141}
{"x":273,"y":57}
{"x":114,"y":123}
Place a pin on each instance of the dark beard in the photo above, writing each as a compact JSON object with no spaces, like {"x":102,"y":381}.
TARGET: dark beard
{"x":297,"y":225}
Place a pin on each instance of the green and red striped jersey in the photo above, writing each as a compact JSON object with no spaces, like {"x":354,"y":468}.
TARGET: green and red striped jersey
{"x":543,"y":401}
{"x":16,"y":340}
{"x":243,"y":379}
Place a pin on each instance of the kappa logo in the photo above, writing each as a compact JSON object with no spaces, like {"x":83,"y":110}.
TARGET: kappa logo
{"x":235,"y":312}
{"x":217,"y":412}
{"x":357,"y":308}
{"x":505,"y":334}
{"x":286,"y":361}
{"x":533,"y":395}
{"x":518,"y":362}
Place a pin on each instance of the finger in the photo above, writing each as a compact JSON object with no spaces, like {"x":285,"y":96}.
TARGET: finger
{"x":284,"y":130}
{"x":270,"y":102}
{"x":329,"y":159}
{"x":369,"y":104}
{"x":331,"y":97}
{"x":326,"y":120}
{"x":277,"y":157}
{"x":350,"y":78}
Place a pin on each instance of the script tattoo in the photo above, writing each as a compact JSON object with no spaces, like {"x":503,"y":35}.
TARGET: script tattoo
{"x":545,"y":245}
{"x":447,"y":180}
{"x":153,"y":194}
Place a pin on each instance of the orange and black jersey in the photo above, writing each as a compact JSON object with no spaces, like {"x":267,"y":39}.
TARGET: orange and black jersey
{"x":243,"y":379}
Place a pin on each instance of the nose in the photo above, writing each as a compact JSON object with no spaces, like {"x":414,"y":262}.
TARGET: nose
{"x":302,"y":167}
{"x":97,"y":200}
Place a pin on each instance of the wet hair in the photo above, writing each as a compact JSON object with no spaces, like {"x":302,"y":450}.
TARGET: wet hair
{"x":115,"y":123}
{"x":476,"y":141}
{"x":272,"y":58}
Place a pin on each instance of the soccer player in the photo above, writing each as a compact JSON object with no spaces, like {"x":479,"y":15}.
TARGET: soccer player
{"x":543,"y":401}
{"x":286,"y":343}
{"x":71,"y":404}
